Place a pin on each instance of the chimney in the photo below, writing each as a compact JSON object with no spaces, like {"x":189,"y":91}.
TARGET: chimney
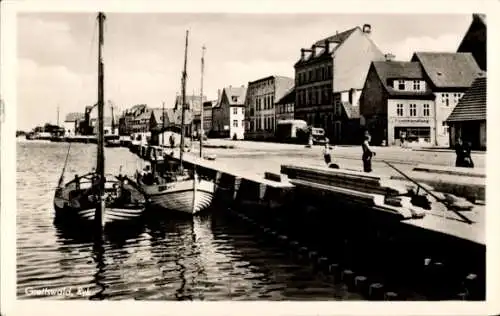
{"x":302,"y":53}
{"x":313,"y":49}
{"x":389,"y":57}
{"x":327,"y":46}
{"x":367,"y":28}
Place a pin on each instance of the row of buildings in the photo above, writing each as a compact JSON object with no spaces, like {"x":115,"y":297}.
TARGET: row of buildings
{"x":346,"y":85}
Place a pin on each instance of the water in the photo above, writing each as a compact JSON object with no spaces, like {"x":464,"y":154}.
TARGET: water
{"x":212,"y":257}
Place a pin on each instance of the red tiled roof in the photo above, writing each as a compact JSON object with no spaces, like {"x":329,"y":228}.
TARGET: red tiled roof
{"x":472,"y":106}
{"x":449,"y":70}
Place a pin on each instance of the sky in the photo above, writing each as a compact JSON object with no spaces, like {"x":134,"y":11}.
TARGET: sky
{"x":144,"y":53}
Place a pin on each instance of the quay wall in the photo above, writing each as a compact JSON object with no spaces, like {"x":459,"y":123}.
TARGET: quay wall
{"x":349,"y":241}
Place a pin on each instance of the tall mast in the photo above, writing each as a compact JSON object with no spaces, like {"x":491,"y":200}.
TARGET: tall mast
{"x":112,"y":119}
{"x":163,"y":124}
{"x":57,"y":115}
{"x":184,"y":76}
{"x":100,"y":110}
{"x":201,"y":99}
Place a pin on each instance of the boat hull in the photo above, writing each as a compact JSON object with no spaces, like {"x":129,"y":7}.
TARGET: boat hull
{"x":187,"y":196}
{"x":83,"y":206}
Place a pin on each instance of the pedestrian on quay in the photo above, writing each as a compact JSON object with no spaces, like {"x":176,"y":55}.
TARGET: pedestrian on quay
{"x":327,"y":154}
{"x":467,"y":147}
{"x":463,"y":152}
{"x":368,"y":153}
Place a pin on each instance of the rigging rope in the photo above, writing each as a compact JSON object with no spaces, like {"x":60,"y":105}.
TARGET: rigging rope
{"x":61,"y":178}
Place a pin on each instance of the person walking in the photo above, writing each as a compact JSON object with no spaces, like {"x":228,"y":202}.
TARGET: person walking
{"x":368,"y":153}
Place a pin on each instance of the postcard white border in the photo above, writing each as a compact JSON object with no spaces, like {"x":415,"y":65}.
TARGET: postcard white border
{"x":11,"y":306}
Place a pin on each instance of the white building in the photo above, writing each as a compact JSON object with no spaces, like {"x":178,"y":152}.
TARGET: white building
{"x":70,"y":123}
{"x":229,"y":115}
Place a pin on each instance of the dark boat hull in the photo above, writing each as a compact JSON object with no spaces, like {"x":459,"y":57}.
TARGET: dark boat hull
{"x":124,"y":201}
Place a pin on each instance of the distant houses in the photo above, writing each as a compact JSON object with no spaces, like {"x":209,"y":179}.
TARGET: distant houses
{"x":229,"y":114}
{"x":410,"y":101}
{"x":468,"y":118}
{"x":348,"y":86}
{"x":329,"y":78}
{"x":260,"y":115}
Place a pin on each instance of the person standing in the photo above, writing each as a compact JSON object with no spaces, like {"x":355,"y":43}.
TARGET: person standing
{"x":468,"y":163}
{"x":327,"y":154}
{"x":367,"y":154}
{"x":459,"y":151}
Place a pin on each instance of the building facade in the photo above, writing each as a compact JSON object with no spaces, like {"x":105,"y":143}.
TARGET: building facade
{"x":468,"y":118}
{"x":449,"y":76}
{"x":260,"y":116}
{"x":474,"y":40}
{"x":285,"y":106}
{"x":207,"y":116}
{"x":397,"y":104}
{"x":193,"y":112}
{"x":329,"y":78}
{"x":228,"y":116}
{"x":71,"y":123}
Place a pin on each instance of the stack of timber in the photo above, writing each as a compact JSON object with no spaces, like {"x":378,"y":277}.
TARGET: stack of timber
{"x":467,"y":182}
{"x":408,"y":201}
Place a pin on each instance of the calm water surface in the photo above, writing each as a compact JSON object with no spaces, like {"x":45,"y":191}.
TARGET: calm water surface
{"x":211,"y":257}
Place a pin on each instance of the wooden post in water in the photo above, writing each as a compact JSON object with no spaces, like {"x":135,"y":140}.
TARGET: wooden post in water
{"x":100,"y":133}
{"x":202,"y":132}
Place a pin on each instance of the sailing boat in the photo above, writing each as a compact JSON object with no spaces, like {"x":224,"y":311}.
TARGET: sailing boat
{"x":97,"y":196}
{"x":178,"y":190}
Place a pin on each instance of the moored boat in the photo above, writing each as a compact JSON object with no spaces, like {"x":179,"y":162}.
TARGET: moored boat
{"x":176,"y":189}
{"x":98,"y":197}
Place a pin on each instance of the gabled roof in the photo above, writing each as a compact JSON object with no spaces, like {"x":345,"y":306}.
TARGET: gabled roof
{"x":211,"y":103}
{"x":289,"y":97}
{"x":74,"y":116}
{"x":448,"y":70}
{"x":335,"y":42}
{"x":351,"y":111}
{"x":480,"y":17}
{"x":193,"y":101}
{"x":237,"y":92}
{"x":158,"y":113}
{"x":145,"y":115}
{"x":391,"y":70}
{"x":472,"y":106}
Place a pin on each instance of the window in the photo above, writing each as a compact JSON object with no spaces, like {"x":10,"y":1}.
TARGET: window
{"x":457,"y":97}
{"x":427,"y":110}
{"x":416,"y":85}
{"x":413,"y":110}
{"x":235,"y":123}
{"x":235,"y":111}
{"x":446,"y":100}
{"x":399,"y":110}
{"x":401,"y":84}
{"x":235,"y":99}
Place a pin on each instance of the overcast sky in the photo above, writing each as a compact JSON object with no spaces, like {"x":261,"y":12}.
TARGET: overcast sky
{"x":144,"y":53}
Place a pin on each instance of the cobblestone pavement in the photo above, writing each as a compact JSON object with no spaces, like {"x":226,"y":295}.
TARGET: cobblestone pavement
{"x":263,"y":156}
